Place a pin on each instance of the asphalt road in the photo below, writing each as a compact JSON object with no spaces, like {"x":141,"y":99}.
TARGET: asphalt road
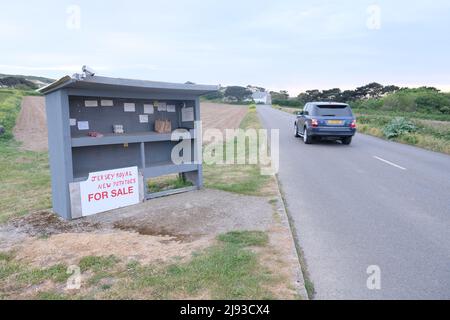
{"x":374,"y":203}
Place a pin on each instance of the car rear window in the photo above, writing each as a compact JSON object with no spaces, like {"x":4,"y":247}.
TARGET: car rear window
{"x":332,"y":111}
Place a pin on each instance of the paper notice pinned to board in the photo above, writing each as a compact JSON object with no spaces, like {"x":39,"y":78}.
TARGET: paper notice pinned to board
{"x":91,"y":103}
{"x":73,"y":122}
{"x":129,"y":107}
{"x":171,"y":108}
{"x":149,"y":109}
{"x":107,"y":103}
{"x":187,"y":114}
{"x":143,"y":118}
{"x":83,"y":125}
{"x":162,"y":106}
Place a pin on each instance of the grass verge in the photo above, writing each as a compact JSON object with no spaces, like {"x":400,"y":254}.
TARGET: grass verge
{"x":227,"y":270}
{"x":239,"y":178}
{"x":432,"y":135}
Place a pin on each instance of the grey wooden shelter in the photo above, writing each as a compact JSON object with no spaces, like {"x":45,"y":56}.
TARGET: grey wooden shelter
{"x":71,"y":118}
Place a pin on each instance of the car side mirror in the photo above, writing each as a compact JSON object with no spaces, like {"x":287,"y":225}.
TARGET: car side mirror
{"x":300,"y":113}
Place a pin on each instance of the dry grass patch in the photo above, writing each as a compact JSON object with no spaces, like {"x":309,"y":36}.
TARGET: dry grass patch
{"x":231,"y":268}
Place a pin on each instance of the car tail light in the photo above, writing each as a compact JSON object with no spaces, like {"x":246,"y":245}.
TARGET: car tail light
{"x":353,"y":124}
{"x":315,"y":123}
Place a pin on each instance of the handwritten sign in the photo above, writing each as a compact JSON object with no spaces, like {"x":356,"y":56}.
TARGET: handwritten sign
{"x":108,"y":190}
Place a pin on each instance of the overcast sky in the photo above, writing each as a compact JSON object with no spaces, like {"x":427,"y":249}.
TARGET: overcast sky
{"x":293,"y":45}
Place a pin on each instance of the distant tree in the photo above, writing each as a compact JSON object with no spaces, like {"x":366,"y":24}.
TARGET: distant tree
{"x":18,"y":83}
{"x":347,"y":96}
{"x":260,"y":89}
{"x":372,"y":90}
{"x":433,"y":89}
{"x":282,"y":95}
{"x":213,"y":95}
{"x":390,"y":89}
{"x":313,"y":95}
{"x":331,"y":95}
{"x":239,"y":93}
{"x":302,"y":97}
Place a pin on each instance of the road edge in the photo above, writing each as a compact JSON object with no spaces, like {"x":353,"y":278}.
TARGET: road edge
{"x":286,"y":221}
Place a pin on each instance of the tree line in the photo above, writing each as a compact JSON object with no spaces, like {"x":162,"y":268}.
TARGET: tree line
{"x":372,"y":90}
{"x":372,"y":95}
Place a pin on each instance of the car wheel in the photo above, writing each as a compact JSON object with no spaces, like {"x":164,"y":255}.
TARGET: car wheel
{"x":347,"y":141}
{"x":306,"y":138}
{"x":296,"y":131}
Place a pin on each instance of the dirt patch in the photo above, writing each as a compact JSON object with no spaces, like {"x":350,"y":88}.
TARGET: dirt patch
{"x":147,"y":230}
{"x":155,"y":230}
{"x":31,"y":125}
{"x":199,"y":213}
{"x":69,"y":248}
{"x":46,"y":223}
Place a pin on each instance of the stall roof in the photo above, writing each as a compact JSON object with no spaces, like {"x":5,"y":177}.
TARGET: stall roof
{"x":145,"y":86}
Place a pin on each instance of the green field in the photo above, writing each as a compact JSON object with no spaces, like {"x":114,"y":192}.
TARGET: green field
{"x":433,"y":135}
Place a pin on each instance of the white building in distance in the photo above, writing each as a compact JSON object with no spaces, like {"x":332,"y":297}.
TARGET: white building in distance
{"x":262,"y":98}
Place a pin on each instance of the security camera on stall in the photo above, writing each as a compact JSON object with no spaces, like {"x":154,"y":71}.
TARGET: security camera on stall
{"x":88,"y":71}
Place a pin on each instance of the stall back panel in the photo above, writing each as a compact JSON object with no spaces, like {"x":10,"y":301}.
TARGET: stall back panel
{"x":159,"y":153}
{"x":100,"y":158}
{"x":88,"y":115}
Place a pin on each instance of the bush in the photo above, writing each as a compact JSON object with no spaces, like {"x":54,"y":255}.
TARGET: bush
{"x":398,"y":127}
{"x":400,"y":101}
{"x":294,"y":103}
{"x":431,"y":101}
{"x":372,"y":104}
{"x":445,"y":110}
{"x":425,"y":100}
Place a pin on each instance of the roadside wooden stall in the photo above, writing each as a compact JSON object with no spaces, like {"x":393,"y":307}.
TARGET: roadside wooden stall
{"x":107,"y":136}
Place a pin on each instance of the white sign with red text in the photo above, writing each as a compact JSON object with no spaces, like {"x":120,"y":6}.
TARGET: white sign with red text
{"x":108,"y":190}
